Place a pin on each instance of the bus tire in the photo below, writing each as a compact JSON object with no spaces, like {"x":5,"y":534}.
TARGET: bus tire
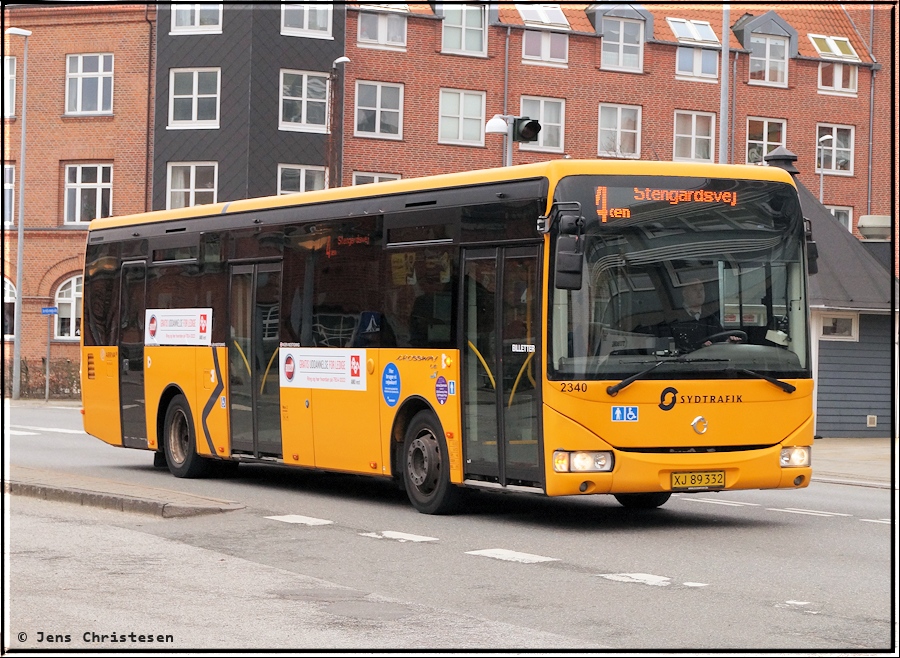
{"x":426,"y":467}
{"x":643,"y":500}
{"x":180,"y":441}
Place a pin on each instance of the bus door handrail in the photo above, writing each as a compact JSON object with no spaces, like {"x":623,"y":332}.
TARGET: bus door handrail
{"x":512,"y":393}
{"x":483,"y":363}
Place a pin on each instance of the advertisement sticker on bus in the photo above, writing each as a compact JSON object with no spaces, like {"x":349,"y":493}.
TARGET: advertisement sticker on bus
{"x":329,"y":368}
{"x":441,"y":390}
{"x":178,"y":326}
{"x":390,"y":384}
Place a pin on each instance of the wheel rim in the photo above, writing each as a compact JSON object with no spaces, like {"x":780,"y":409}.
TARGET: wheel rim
{"x":423,"y":462}
{"x":179,"y":436}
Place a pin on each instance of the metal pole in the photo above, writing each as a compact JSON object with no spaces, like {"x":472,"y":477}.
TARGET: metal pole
{"x":20,"y":242}
{"x":47,"y":369}
{"x":723,"y":92}
{"x":511,"y":122}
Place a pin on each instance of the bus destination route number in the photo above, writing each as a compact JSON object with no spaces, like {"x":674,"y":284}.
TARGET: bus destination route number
{"x":699,"y":480}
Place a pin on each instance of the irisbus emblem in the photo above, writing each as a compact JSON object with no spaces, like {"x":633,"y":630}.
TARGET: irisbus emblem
{"x":151,"y":326}
{"x":289,"y":367}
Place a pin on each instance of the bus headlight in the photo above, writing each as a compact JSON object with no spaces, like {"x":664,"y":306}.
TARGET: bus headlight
{"x":796,"y":457}
{"x":582,"y":462}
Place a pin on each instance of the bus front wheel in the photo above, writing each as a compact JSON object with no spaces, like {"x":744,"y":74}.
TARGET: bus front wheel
{"x":426,"y":468}
{"x":181,"y":441}
{"x":643,"y":500}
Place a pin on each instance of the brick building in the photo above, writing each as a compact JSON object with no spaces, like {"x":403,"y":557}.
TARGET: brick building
{"x":87,"y":156}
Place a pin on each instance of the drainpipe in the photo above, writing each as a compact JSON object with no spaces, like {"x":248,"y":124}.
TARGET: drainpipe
{"x":148,"y":189}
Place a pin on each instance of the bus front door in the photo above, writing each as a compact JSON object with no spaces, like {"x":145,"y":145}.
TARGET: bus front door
{"x":501,"y":357}
{"x":131,"y":355}
{"x":253,"y":383}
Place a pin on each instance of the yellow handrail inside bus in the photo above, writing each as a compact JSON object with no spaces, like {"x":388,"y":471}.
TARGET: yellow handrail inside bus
{"x":518,"y":377}
{"x":246,"y":363}
{"x":263,"y":385}
{"x":483,"y":363}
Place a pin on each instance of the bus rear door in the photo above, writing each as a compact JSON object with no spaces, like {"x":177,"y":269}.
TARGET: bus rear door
{"x":131,"y":354}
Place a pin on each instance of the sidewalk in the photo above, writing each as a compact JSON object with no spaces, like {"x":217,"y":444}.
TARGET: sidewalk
{"x":868,"y":462}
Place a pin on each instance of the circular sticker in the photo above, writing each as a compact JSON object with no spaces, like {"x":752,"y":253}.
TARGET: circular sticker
{"x":390,"y":384}
{"x":151,"y":327}
{"x":289,"y":367}
{"x":440,"y":390}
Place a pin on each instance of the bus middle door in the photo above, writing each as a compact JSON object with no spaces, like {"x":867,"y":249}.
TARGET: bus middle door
{"x":131,"y":354}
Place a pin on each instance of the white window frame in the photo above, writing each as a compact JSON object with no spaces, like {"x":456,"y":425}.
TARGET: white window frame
{"x":838,"y":315}
{"x":768,"y":59}
{"x":545,"y":58}
{"x":9,"y":195}
{"x":837,"y":77}
{"x":195,"y":27}
{"x":696,"y":73}
{"x":765,"y":143}
{"x":306,"y":31}
{"x":621,"y":46}
{"x":694,"y":137}
{"x":78,"y":77}
{"x":304,"y":100}
{"x":69,"y":308}
{"x":9,"y":297}
{"x":462,"y":117}
{"x":193,"y":123}
{"x":376,"y":177}
{"x":383,"y":17}
{"x":540,"y":144}
{"x":535,"y":13}
{"x":9,"y":87}
{"x":464,"y":29}
{"x":832,"y":50}
{"x":377,"y":134}
{"x":830,"y":148}
{"x":303,"y":170}
{"x":73,"y":201}
{"x":191,"y":189}
{"x":694,"y":29}
{"x":848,"y":210}
{"x":618,"y":153}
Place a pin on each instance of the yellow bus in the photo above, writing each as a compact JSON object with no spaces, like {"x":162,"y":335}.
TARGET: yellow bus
{"x":516,"y":329}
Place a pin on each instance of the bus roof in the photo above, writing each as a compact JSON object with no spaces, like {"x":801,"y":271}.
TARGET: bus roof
{"x":552,"y":170}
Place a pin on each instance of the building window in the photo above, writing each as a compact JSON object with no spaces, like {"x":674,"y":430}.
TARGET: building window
{"x":697,"y":63}
{"x":844,"y":215}
{"x":834,"y":47}
{"x":544,"y":46}
{"x":194,"y":98}
{"x":840,"y":326}
{"x":9,"y":308}
{"x":385,"y":29}
{"x":196,"y":18}
{"x":834,"y":155}
{"x":89,"y":84}
{"x":619,"y":134}
{"x":365,"y":177}
{"x":551,"y":113}
{"x":694,"y":136}
{"x":768,"y":60}
{"x":9,"y":195}
{"x":379,"y":110}
{"x":763,"y":137}
{"x":462,"y":117}
{"x":68,"y":304}
{"x":88,"y":192}
{"x":304,"y":101}
{"x":311,"y":20}
{"x":837,"y":77}
{"x":623,"y":45}
{"x":191,"y":183}
{"x":9,"y":86}
{"x":300,"y":178}
{"x":464,"y":29}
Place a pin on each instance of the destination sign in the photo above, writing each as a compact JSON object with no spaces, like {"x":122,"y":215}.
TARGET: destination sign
{"x":621,"y":207}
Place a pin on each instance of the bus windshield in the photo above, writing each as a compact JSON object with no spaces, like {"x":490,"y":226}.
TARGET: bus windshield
{"x":705,"y":277}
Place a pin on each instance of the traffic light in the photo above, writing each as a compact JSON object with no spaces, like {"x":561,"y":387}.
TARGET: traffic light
{"x":525,"y":129}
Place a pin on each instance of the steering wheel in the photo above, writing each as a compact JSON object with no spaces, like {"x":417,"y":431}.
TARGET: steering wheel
{"x":718,"y":337}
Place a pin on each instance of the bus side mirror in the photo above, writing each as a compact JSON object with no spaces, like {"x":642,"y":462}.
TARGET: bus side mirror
{"x":569,"y":263}
{"x":812,"y":257}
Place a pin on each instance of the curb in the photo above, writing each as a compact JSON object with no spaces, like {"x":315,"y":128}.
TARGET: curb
{"x":120,"y":502}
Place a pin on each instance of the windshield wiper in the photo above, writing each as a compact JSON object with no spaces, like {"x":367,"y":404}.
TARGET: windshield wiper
{"x":614,"y":389}
{"x":784,"y":386}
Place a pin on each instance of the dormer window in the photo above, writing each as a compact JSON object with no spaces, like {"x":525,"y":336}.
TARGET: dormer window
{"x":693,"y":59}
{"x":768,"y":60}
{"x":838,"y":71}
{"x":623,"y":45}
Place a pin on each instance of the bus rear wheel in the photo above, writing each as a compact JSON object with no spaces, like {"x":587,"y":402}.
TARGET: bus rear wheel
{"x":180,"y":441}
{"x":643,"y":500}
{"x":426,"y":467}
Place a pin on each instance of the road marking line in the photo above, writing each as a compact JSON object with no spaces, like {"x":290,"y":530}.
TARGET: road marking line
{"x":17,"y":433}
{"x":731,"y":503}
{"x":695,"y":584}
{"x":642,"y":578}
{"x":302,"y":520}
{"x":512,"y":556}
{"x":399,"y":536}
{"x":876,"y":520}
{"x":807,"y":512}
{"x":48,"y":429}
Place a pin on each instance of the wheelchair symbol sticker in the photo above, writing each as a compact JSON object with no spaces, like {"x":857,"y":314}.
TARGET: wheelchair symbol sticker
{"x":625,"y":414}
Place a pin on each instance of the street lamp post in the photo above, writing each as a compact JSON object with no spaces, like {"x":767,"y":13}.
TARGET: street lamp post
{"x":332,"y":160}
{"x":821,"y":149}
{"x":502,"y":124}
{"x":20,"y":232}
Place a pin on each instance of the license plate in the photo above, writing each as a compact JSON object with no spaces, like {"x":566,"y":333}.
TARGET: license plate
{"x":699,"y":480}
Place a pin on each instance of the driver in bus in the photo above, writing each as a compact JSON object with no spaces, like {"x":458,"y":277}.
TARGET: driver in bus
{"x":691,"y":329}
